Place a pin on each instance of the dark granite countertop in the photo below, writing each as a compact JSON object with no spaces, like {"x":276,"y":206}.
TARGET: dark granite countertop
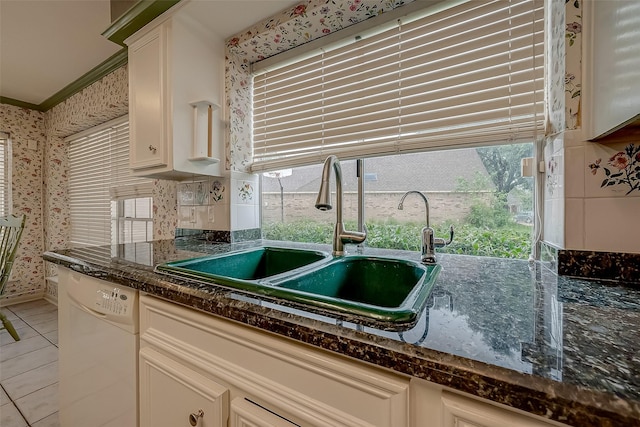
{"x":504,"y":330}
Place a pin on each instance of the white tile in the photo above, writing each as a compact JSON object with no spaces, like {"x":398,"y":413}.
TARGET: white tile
{"x":201,"y":193}
{"x":10,"y":417}
{"x":25,"y":307}
{"x":36,"y":319}
{"x":24,"y":346}
{"x":34,"y":309}
{"x":610,"y":224}
{"x":598,"y":160}
{"x":26,"y":362}
{"x":8,"y":313}
{"x":244,"y":192}
{"x":218,"y":191}
{"x":4,"y":399}
{"x":52,"y":337}
{"x":554,"y":177}
{"x":24,"y":333}
{"x":186,"y":195}
{"x":50,"y":421}
{"x":244,"y":217}
{"x":574,"y":224}
{"x":575,"y":170}
{"x":30,"y":381}
{"x":554,"y":225}
{"x":47,"y":327}
{"x":39,"y":404}
{"x":221,"y":217}
{"x":17,"y":323}
{"x":574,"y":138}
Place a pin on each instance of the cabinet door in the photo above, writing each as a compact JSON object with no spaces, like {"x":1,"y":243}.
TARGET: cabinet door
{"x":172,"y":395}
{"x":148,"y":74}
{"x":459,"y":411}
{"x":246,"y":413}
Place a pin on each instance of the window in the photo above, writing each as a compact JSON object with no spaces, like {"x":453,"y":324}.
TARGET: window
{"x":446,"y":102}
{"x":470,"y":75}
{"x":490,"y":212}
{"x":132,"y":220}
{"x":5,"y":174}
{"x":107,"y":204}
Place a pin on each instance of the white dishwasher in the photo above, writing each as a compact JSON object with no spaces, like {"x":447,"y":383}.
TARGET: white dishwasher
{"x":98,"y":352}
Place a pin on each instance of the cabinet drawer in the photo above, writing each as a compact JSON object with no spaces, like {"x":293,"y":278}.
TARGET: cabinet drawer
{"x":174,"y":395}
{"x":459,"y":411}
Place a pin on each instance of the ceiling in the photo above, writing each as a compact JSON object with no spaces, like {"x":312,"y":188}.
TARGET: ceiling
{"x":46,"y":45}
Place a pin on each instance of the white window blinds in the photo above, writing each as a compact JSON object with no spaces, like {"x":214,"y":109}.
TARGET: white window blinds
{"x":99,"y":173}
{"x":5,"y":175}
{"x":469,"y":75}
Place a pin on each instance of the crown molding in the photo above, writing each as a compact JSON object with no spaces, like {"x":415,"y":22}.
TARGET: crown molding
{"x":112,"y":63}
{"x":18,"y":103}
{"x":135,"y":18}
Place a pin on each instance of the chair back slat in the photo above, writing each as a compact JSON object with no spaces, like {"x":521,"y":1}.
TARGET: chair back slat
{"x":11,"y":228}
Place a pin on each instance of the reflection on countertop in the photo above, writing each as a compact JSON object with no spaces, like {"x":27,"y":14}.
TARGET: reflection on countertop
{"x":501,"y":329}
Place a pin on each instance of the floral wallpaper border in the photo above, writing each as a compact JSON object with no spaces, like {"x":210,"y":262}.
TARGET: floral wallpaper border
{"x":573,"y":64}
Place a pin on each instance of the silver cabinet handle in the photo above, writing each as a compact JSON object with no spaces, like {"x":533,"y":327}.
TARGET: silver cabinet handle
{"x":153,"y":149}
{"x":195,"y":417}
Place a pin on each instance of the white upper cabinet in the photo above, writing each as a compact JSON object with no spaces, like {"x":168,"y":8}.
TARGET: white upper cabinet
{"x":613,"y":63}
{"x":176,"y":85}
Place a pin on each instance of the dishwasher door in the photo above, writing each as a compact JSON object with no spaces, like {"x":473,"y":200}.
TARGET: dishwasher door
{"x":98,"y":352}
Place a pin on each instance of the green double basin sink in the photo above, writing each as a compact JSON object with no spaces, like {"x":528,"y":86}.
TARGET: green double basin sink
{"x":383,"y":289}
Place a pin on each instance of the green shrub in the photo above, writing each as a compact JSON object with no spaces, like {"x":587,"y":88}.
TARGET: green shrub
{"x":509,"y":241}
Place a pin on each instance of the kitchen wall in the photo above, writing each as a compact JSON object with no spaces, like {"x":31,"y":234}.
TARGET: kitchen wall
{"x":40,"y":177}
{"x":104,"y":100}
{"x":27,"y":130}
{"x":597,"y":212}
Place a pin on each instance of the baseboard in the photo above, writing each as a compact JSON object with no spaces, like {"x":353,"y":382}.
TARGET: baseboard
{"x":8,"y":300}
{"x":51,"y":299}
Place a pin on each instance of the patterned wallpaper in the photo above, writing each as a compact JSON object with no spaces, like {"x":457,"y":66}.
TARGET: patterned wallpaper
{"x":25,"y":126}
{"x":40,"y":176}
{"x":293,"y":27}
{"x":104,"y":100}
{"x":573,"y":64}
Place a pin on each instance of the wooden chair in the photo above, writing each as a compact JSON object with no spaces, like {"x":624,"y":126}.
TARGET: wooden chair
{"x":10,"y":232}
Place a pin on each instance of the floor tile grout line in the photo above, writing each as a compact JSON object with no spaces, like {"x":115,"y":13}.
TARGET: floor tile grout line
{"x":13,"y":402}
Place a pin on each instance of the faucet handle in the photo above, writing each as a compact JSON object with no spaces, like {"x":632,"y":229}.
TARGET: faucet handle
{"x":450,"y":235}
{"x":440,"y":243}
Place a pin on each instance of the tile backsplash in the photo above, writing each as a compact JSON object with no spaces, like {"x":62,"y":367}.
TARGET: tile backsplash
{"x":230,"y":204}
{"x":204,"y":205}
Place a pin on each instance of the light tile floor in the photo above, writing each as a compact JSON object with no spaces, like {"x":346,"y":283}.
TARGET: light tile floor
{"x":29,"y":367}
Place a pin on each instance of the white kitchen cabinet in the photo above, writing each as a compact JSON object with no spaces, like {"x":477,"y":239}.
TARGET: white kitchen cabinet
{"x":176,"y":70}
{"x":435,"y":406}
{"x":273,"y":381}
{"x":612,"y":63}
{"x":459,"y":411}
{"x":294,"y":383}
{"x":173,"y":395}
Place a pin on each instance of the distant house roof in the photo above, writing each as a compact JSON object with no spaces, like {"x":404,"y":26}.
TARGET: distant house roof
{"x":429,"y":171}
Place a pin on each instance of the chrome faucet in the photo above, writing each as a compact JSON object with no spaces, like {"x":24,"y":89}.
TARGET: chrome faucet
{"x":429,"y":242}
{"x":323,"y":202}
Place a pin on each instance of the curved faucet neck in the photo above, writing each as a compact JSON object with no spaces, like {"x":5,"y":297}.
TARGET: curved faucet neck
{"x":426,"y":202}
{"x":340,"y":235}
{"x":337,"y":169}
